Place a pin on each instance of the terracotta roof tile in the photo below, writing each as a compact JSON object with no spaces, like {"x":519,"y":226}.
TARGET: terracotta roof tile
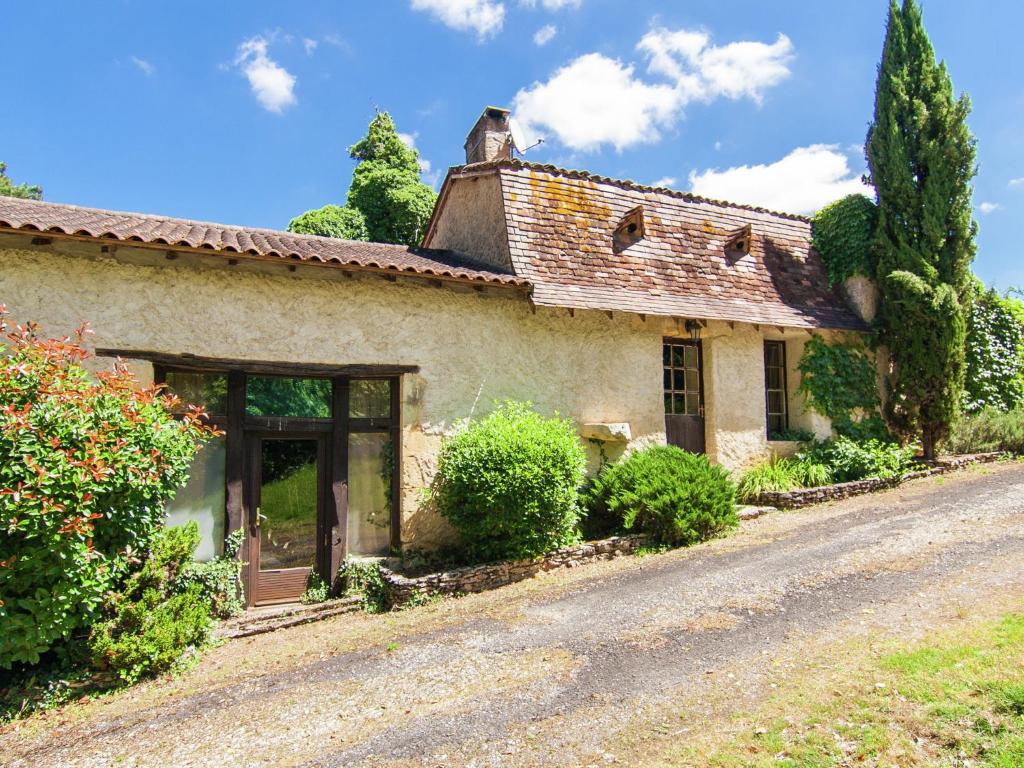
{"x":560,"y":227}
{"x":58,"y":219}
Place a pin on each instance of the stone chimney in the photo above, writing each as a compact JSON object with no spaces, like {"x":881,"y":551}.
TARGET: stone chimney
{"x":489,"y":139}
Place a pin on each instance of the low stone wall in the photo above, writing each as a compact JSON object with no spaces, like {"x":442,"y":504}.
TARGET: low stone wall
{"x":805,"y":497}
{"x":478,"y":578}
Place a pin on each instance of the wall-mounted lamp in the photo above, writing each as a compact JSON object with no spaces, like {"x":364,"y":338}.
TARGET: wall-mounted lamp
{"x":693,"y":328}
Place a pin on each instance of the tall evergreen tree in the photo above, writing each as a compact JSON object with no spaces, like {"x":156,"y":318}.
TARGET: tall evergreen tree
{"x":387,"y":202}
{"x":921,"y":157}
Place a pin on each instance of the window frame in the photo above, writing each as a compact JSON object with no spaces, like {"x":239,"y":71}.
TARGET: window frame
{"x":671,"y":391}
{"x":783,"y":391}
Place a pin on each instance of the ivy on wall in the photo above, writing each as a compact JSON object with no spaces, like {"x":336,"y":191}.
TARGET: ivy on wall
{"x":843,"y":234}
{"x":839,"y":382}
{"x":995,"y":352}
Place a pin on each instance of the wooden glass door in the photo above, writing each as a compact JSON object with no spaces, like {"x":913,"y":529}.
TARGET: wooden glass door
{"x":684,"y":394}
{"x":287,"y":530}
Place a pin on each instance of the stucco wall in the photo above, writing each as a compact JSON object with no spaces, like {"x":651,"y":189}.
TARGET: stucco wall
{"x":473,"y":349}
{"x":472,"y":221}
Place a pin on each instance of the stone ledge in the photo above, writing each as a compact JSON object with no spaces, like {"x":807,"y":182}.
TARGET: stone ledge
{"x":805,"y":497}
{"x":479,"y":578}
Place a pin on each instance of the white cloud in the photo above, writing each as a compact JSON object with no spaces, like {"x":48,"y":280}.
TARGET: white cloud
{"x":144,"y":66}
{"x":987,"y":208}
{"x":484,"y":17}
{"x":310,"y":45}
{"x":596,"y":100}
{"x":665,"y":181}
{"x":718,"y":146}
{"x":704,"y":71}
{"x":551,"y":5}
{"x":272,"y":84}
{"x":801,"y":182}
{"x":1016,"y":183}
{"x":545,"y":34}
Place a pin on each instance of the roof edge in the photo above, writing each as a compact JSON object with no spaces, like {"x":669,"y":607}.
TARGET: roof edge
{"x":517,"y":164}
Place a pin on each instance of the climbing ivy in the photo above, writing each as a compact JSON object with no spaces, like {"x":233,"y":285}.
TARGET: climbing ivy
{"x":842,"y":235}
{"x":839,"y":382}
{"x":995,"y":352}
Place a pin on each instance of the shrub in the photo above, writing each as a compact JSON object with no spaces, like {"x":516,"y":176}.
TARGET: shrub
{"x":219,"y":580}
{"x":676,"y":498}
{"x":363,"y":579}
{"x":509,"y":482}
{"x":155,"y":618}
{"x":86,"y":465}
{"x":988,"y":430}
{"x":852,"y":460}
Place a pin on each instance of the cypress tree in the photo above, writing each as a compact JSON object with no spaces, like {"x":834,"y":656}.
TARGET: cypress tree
{"x":921,"y":158}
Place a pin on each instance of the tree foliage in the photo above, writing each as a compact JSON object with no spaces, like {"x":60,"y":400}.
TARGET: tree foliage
{"x":86,"y":465}
{"x":844,"y":232}
{"x":387,"y":202}
{"x":331,"y":221}
{"x":995,"y":352}
{"x":9,"y":189}
{"x":386,"y":185}
{"x":921,"y":157}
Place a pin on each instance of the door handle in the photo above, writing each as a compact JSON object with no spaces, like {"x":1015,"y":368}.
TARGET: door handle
{"x":259,"y":516}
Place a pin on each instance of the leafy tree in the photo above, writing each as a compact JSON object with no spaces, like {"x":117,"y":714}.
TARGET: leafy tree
{"x":386,"y":185}
{"x":921,"y":157}
{"x":331,"y":221}
{"x":387,"y":202}
{"x":995,"y":352}
{"x":9,"y":189}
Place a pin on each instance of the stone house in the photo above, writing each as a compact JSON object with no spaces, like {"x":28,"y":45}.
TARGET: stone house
{"x":335,"y":368}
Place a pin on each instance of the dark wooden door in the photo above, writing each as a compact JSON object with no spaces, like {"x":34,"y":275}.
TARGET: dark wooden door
{"x":683,"y":364}
{"x":288,"y":529}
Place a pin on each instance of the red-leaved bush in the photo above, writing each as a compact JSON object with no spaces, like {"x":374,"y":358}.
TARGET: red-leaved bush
{"x":86,"y":465}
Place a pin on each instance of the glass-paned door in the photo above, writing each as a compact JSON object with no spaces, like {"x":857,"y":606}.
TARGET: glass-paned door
{"x":682,"y":363}
{"x":287,"y":506}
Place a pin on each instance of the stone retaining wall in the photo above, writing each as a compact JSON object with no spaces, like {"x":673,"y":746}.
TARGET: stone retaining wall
{"x":804,"y":497}
{"x":478,"y":578}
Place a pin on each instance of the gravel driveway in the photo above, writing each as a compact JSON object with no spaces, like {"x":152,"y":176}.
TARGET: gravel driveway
{"x":551,"y":671}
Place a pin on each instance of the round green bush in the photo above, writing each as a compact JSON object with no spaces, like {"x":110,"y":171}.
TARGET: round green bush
{"x":676,"y":498}
{"x":509,"y":483}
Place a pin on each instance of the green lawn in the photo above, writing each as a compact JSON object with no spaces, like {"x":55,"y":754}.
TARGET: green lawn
{"x":955,"y":699}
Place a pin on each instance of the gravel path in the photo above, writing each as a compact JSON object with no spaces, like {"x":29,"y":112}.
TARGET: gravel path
{"x":545,"y":674}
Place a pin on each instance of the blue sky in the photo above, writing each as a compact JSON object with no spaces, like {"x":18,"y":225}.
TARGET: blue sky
{"x":242,"y":112}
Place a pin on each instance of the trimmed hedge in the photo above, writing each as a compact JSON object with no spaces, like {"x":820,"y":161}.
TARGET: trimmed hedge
{"x":509,"y":484}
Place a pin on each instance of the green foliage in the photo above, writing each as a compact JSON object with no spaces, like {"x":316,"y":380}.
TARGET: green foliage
{"x":791,"y":435}
{"x":86,"y":465}
{"x":219,"y":580}
{"x":921,"y":157}
{"x":995,"y":352}
{"x":508,"y":483}
{"x":987,"y":431}
{"x":848,"y":459}
{"x":782,"y":475}
{"x":843,"y":235}
{"x":344,"y":222}
{"x":9,"y":189}
{"x":152,"y":623}
{"x":387,"y":202}
{"x":839,"y":381}
{"x":676,"y":498}
{"x":317,"y":590}
{"x":363,"y":579}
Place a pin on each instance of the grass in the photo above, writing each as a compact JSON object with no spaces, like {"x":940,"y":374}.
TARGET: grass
{"x":955,"y":699}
